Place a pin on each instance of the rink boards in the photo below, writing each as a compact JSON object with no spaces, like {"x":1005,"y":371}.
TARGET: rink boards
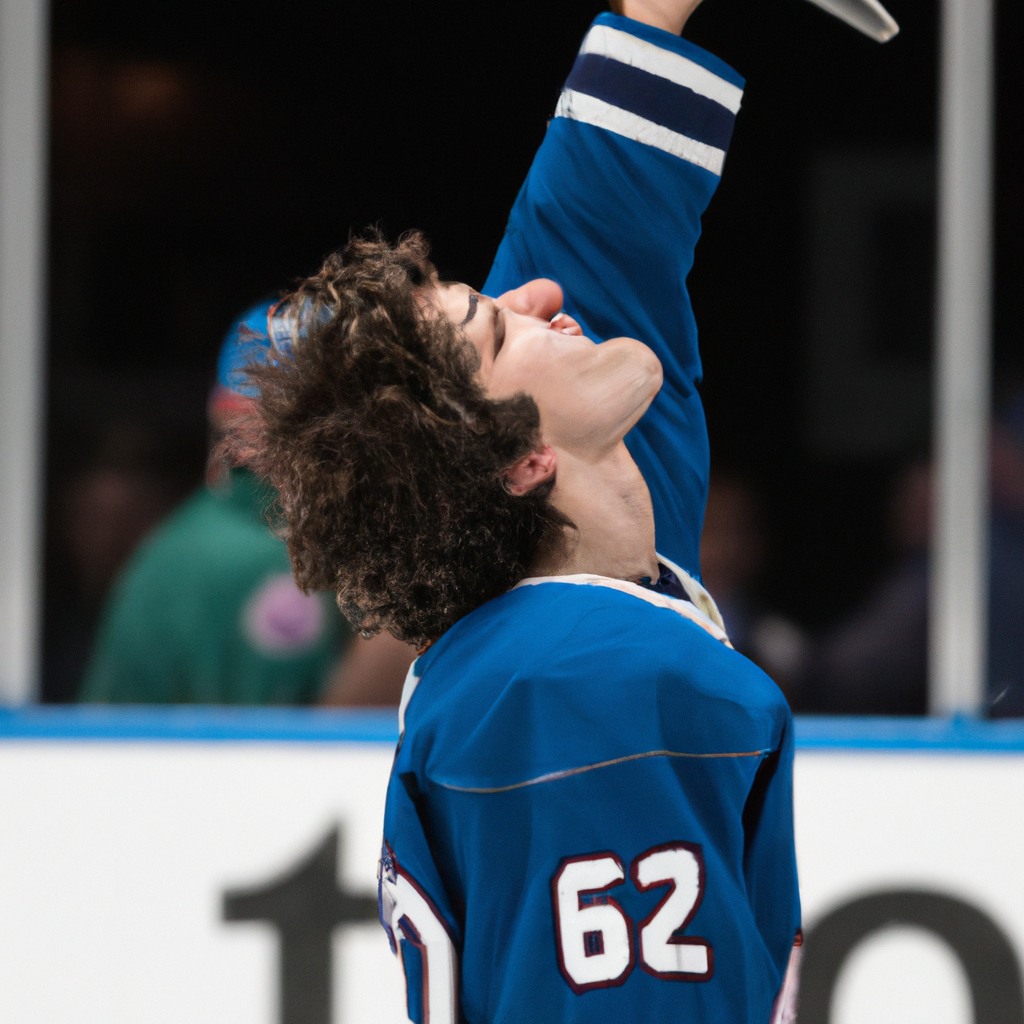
{"x":218,"y":867}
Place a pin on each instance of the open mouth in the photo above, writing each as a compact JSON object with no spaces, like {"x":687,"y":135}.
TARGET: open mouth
{"x":565,"y":324}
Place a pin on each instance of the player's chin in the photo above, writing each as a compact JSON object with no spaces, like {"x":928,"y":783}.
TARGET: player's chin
{"x":624,"y":378}
{"x":634,"y":350}
{"x":642,"y":370}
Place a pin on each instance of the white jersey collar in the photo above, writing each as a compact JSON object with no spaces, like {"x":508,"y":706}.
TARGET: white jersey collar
{"x":701,"y":607}
{"x":412,"y":679}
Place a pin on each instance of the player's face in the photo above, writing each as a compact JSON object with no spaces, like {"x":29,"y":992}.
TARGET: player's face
{"x":588,"y":395}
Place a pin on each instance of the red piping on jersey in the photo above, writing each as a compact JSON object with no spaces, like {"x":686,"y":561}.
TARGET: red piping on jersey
{"x":555,"y":776}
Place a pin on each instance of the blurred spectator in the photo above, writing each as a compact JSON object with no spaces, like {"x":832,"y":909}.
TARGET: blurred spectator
{"x":876,"y":662}
{"x":731,"y":557}
{"x":98,"y":516}
{"x":207,"y":610}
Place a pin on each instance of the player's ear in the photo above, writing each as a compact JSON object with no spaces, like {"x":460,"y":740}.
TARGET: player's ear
{"x":540,"y":297}
{"x":532,"y":470}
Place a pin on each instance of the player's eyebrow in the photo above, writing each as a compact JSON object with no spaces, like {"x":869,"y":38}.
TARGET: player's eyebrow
{"x":474,"y":299}
{"x":496,"y":340}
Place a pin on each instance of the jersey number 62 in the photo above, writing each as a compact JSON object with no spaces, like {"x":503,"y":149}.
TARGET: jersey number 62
{"x":594,"y":935}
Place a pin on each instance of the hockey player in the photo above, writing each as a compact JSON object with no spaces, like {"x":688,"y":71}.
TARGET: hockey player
{"x":590,"y":813}
{"x":589,"y":817}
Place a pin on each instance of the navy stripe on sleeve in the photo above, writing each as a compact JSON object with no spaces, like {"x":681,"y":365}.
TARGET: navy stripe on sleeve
{"x":654,"y":98}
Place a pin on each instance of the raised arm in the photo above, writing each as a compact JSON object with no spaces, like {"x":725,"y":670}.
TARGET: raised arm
{"x":611,"y":211}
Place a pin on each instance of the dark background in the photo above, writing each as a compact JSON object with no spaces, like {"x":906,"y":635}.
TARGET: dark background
{"x":204,"y":155}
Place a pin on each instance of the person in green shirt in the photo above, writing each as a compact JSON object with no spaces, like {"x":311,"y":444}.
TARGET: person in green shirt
{"x":207,"y":611}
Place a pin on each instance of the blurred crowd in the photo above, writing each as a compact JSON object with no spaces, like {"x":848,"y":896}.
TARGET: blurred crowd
{"x":874,"y":661}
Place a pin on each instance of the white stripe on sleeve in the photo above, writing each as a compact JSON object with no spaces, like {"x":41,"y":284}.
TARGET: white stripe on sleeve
{"x":605,"y":41}
{"x":578,"y":106}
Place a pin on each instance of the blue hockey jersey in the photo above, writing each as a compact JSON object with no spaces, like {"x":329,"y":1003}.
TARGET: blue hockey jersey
{"x":589,"y":817}
{"x":611,"y":210}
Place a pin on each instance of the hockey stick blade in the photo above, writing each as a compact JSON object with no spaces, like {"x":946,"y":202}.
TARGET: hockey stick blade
{"x":867,"y":16}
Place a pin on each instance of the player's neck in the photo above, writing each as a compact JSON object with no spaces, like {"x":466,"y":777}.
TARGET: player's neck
{"x":609,"y":502}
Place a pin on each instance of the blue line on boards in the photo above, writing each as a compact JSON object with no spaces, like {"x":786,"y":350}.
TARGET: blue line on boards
{"x":99,"y":723}
{"x":107,"y":723}
{"x":909,"y":735}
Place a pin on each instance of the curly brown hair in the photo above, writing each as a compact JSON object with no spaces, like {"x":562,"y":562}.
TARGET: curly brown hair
{"x":388,"y":458}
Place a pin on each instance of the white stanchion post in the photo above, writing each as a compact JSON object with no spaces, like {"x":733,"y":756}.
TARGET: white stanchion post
{"x":24,"y":61}
{"x":959,"y":579}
